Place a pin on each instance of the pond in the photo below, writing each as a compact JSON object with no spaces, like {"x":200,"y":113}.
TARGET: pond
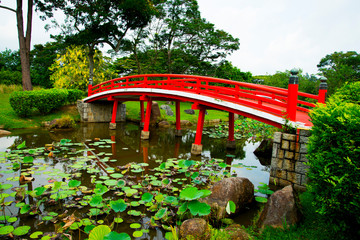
{"x":71,"y":181}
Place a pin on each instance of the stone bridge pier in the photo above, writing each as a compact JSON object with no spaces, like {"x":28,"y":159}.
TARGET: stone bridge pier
{"x":288,"y":162}
{"x":100,"y":111}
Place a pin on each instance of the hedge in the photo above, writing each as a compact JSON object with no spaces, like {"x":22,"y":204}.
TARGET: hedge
{"x":334,"y":159}
{"x":45,"y":100}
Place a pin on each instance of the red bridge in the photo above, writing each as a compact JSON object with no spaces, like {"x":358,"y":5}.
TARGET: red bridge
{"x":267,"y":104}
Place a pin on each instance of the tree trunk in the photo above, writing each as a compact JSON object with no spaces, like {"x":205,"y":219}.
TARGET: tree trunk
{"x":24,"y":42}
{"x":91,"y":64}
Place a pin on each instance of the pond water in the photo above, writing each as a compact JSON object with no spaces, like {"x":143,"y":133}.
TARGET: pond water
{"x":99,"y":156}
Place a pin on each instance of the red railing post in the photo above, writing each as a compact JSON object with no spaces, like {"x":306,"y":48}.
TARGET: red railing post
{"x":293,"y":89}
{"x":323,"y":90}
{"x":113,"y":117}
{"x":89,"y":90}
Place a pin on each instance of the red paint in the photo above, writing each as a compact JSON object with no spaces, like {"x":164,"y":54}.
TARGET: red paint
{"x":273,"y":100}
{"x":231,"y":126}
{"x":200,"y":126}
{"x":178,"y":123}
{"x":113,"y":118}
{"x":292,"y":101}
{"x":142,"y":111}
{"x":147,"y":117}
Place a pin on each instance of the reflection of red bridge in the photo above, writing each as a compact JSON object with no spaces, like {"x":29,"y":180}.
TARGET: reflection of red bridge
{"x":264,"y":103}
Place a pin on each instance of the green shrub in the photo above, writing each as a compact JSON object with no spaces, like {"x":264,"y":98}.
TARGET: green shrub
{"x":22,"y":102}
{"x":9,"y":77}
{"x":334,"y":158}
{"x":50,"y":99}
{"x":74,"y":94}
{"x":44,"y":100}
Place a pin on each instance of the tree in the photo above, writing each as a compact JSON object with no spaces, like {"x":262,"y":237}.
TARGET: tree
{"x":71,"y":69}
{"x":10,"y":67}
{"x":227,"y":71}
{"x":340,"y":67}
{"x":98,"y":22}
{"x":42,"y":57}
{"x":24,"y":39}
{"x":179,"y":38}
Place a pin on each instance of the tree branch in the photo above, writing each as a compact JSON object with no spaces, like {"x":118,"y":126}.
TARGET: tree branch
{"x":7,"y":8}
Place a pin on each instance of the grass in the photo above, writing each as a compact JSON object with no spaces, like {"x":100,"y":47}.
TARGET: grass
{"x":133,"y":110}
{"x":10,"y":120}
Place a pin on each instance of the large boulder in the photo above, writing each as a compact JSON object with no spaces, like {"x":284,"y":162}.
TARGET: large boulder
{"x":281,"y":208}
{"x":236,"y":189}
{"x":155,"y":113}
{"x":167,"y":109}
{"x":195,"y":227}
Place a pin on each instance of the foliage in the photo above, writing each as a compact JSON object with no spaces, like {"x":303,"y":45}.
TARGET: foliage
{"x":42,"y":57}
{"x":64,"y":122}
{"x":71,"y":69}
{"x":11,"y":120}
{"x":226,"y":70}
{"x":10,"y":67}
{"x":339,"y":68}
{"x":307,"y":83}
{"x":44,"y":100}
{"x":178,"y":40}
{"x":334,"y":153}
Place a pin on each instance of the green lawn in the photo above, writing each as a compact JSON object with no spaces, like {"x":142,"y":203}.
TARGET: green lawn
{"x":10,"y":120}
{"x":133,"y":110}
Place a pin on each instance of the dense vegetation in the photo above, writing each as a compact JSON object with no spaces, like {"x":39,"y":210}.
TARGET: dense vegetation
{"x":334,"y":154}
{"x":44,"y":100}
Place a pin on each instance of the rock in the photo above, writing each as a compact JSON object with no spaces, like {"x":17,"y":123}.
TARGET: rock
{"x":280,"y":207}
{"x":189,"y":111}
{"x":237,"y":232}
{"x":196,"y":227}
{"x":4,"y":133}
{"x":264,"y":152}
{"x":155,"y":113}
{"x":167,"y":109}
{"x":236,"y":189}
{"x":185,"y":123}
{"x":164,"y":124}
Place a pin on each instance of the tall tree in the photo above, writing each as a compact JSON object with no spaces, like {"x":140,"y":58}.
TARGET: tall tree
{"x":24,"y":39}
{"x":180,"y":39}
{"x":98,"y":22}
{"x":340,"y":67}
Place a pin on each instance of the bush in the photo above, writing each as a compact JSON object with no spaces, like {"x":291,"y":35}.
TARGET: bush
{"x":334,"y":153}
{"x":44,"y":100}
{"x":22,"y":102}
{"x":9,"y":77}
{"x":50,"y":99}
{"x":74,"y":94}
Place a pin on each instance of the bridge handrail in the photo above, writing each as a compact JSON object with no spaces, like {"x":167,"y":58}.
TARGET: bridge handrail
{"x":234,"y":91}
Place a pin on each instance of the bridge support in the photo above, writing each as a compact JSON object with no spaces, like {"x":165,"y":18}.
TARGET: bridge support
{"x":145,"y":134}
{"x":142,"y":113}
{"x":113,"y":118}
{"x":196,"y":148}
{"x":178,"y":132}
{"x":231,"y":140}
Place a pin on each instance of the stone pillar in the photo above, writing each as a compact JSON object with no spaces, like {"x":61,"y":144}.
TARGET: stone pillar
{"x":100,"y":111}
{"x":288,"y":158}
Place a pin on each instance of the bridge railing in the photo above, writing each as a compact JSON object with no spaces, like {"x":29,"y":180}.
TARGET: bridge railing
{"x":267,"y":98}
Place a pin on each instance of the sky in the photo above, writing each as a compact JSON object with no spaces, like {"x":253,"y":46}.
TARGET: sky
{"x":275,"y":35}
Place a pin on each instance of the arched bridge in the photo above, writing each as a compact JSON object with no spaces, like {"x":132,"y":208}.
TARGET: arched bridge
{"x":263,"y":103}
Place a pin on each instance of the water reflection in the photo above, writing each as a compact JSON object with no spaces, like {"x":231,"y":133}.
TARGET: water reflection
{"x":126,"y":147}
